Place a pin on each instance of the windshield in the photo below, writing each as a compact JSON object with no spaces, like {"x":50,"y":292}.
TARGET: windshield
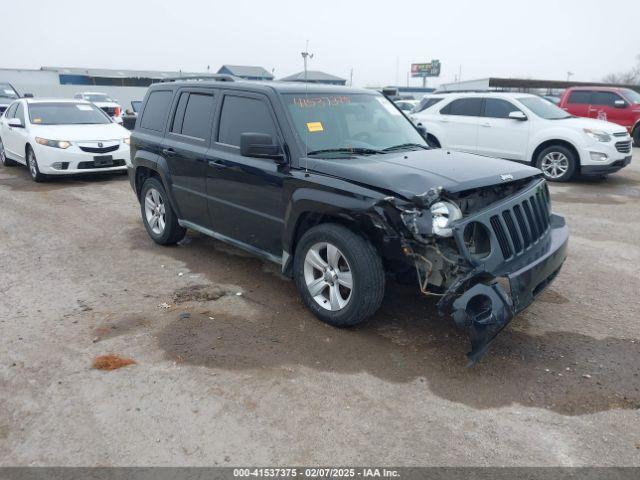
{"x":7,"y":91}
{"x":543,"y":108}
{"x":357,"y":123}
{"x":631,"y":95}
{"x":66,"y":114}
{"x":97,"y":97}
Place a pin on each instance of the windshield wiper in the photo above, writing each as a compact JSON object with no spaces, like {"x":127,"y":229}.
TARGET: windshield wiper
{"x":405,"y":146}
{"x":353,"y":151}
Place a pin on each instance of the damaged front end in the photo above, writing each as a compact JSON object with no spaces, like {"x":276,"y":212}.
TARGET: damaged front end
{"x":487,"y":253}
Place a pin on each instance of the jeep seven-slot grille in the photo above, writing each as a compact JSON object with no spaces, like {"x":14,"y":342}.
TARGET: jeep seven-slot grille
{"x":516,"y":228}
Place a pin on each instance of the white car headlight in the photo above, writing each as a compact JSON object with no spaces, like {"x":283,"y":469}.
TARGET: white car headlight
{"x":598,"y":135}
{"x":443,"y":215}
{"x":126,"y":141}
{"x":53,"y":143}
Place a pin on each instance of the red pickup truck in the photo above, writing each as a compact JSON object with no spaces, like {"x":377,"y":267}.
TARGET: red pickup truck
{"x":617,"y":105}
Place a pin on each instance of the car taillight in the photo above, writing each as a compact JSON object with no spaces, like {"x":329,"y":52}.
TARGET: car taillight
{"x":117,"y":112}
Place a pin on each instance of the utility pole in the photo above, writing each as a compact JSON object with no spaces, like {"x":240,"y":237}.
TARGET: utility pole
{"x":351,"y":78}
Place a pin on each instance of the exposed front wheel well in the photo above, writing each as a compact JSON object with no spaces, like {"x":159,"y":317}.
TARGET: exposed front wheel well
{"x":308,"y":220}
{"x":549,"y":143}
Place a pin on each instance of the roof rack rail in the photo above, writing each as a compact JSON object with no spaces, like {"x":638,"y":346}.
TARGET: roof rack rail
{"x":201,"y":78}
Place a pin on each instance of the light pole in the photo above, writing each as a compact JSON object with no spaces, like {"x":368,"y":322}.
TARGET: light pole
{"x":306,"y":55}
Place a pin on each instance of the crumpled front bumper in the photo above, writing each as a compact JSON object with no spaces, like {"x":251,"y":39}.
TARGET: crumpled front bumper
{"x":486,"y":308}
{"x":528,"y":246}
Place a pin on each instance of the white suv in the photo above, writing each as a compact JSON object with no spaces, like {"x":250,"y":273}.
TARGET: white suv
{"x":525,"y":128}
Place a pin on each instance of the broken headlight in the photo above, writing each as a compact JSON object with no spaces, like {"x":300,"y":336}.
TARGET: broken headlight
{"x":443,"y":214}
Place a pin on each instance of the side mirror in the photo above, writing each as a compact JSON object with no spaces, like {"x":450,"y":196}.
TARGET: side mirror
{"x":27,"y":95}
{"x":517,"y":115}
{"x":15,"y":122}
{"x":260,"y":145}
{"x":422,"y":130}
{"x":620,"y":104}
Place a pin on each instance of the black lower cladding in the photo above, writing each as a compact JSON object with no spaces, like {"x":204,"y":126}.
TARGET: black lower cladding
{"x":605,"y":169}
{"x":486,"y":308}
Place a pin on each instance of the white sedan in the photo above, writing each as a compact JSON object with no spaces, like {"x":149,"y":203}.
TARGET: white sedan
{"x":61,"y":137}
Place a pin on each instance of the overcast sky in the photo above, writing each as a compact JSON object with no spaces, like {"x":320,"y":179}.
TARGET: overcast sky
{"x":379,"y":40}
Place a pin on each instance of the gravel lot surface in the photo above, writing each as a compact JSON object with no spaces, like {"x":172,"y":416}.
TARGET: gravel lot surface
{"x":250,"y":377}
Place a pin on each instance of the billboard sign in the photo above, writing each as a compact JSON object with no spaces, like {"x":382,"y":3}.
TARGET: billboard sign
{"x":431,"y":69}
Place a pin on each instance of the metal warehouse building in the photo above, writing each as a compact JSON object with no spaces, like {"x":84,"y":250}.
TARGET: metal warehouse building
{"x":122,"y":85}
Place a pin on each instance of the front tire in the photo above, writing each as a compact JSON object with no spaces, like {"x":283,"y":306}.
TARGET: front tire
{"x":558,"y":163}
{"x":636,"y":136}
{"x":158,"y":217}
{"x":32,"y":165}
{"x":339,"y":275}
{"x":3,"y":157}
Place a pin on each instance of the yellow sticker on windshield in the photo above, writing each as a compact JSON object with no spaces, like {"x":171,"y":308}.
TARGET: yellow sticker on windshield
{"x":37,"y":120}
{"x":315,"y":127}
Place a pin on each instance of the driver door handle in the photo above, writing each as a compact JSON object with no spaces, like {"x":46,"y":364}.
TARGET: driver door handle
{"x":169,"y":152}
{"x":485,"y":125}
{"x":217,"y":164}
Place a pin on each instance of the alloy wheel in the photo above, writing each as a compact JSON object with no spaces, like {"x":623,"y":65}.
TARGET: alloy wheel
{"x":154,"y":210}
{"x":554,"y":164}
{"x":33,"y":165}
{"x":327,"y":275}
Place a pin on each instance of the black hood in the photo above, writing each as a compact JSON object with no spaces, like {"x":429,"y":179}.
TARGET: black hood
{"x":414,"y":172}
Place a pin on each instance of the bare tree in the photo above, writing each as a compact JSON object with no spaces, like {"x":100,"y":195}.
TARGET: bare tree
{"x":631,"y":77}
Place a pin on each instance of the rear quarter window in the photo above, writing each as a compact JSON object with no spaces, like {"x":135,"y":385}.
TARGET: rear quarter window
{"x":155,"y":112}
{"x":579,"y":97}
{"x":467,"y":107}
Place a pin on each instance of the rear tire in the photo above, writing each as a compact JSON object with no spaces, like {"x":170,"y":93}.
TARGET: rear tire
{"x":32,"y":165}
{"x":558,"y":163}
{"x":3,"y":157}
{"x":158,"y":217}
{"x":339,"y":275}
{"x":636,"y":136}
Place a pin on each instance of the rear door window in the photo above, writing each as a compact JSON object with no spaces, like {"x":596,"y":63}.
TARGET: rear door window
{"x":244,"y":115}
{"x":156,"y":110}
{"x":193,"y":115}
{"x":498,"y":108}
{"x":468,"y":107}
{"x":581,"y":97}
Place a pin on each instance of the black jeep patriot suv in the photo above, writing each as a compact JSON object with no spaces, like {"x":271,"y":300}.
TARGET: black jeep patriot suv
{"x":338,"y":187}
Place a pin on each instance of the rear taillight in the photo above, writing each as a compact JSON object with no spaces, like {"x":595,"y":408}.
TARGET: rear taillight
{"x":117,"y":112}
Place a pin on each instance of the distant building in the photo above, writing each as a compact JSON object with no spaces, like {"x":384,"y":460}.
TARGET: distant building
{"x":246,"y":72}
{"x":314,"y":76}
{"x":62,"y":82}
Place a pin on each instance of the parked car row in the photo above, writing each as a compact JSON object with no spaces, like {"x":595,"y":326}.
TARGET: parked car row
{"x":524,"y":128}
{"x":61,"y":137}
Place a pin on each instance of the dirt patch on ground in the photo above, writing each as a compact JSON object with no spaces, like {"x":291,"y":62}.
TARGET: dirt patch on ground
{"x":198,"y":293}
{"x":111,"y":362}
{"x":566,"y":372}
